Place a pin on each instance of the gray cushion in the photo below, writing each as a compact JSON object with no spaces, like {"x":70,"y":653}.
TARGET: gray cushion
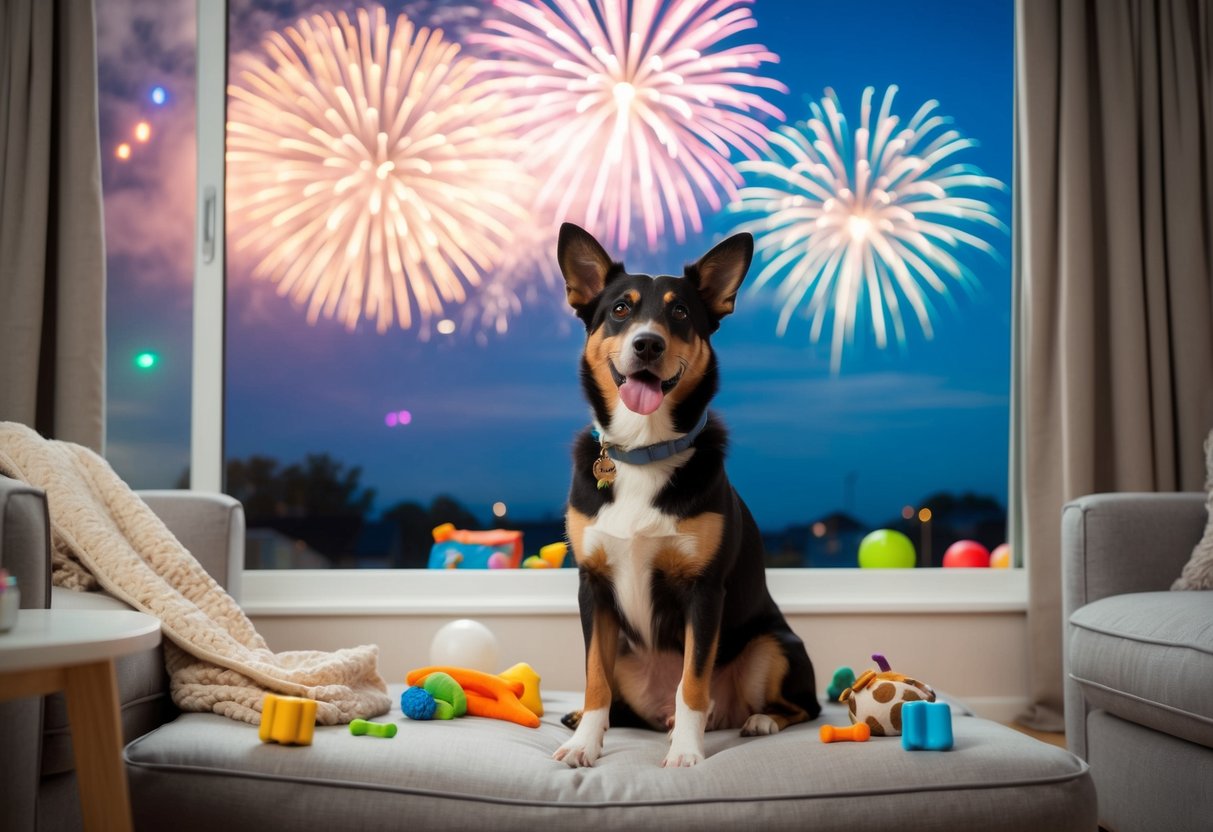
{"x":1148,"y":658}
{"x":202,"y":771}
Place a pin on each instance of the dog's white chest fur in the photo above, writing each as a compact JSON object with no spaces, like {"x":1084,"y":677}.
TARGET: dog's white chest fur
{"x":630,"y":531}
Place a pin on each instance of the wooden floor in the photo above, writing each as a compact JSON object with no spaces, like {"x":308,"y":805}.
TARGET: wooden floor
{"x":1052,"y":738}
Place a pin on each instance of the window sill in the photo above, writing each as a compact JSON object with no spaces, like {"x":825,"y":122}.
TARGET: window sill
{"x":554,"y":592}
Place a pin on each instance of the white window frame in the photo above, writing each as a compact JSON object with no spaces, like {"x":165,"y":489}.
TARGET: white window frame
{"x":521,"y":592}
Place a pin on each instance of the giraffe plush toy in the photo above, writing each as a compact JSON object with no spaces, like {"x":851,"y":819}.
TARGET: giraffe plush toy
{"x":876,"y":698}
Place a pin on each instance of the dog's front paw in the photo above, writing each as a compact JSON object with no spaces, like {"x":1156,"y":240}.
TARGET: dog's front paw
{"x":682,"y":759}
{"x":578,"y":753}
{"x":684,"y":752}
{"x":759,"y":725}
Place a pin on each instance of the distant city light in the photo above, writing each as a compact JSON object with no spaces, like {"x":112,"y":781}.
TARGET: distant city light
{"x":143,"y":131}
{"x":159,"y":96}
{"x":924,"y":515}
{"x":819,"y":529}
{"x":123,"y":151}
{"x":146,"y":360}
{"x":499,"y":509}
{"x":907,"y":512}
{"x":446,"y":326}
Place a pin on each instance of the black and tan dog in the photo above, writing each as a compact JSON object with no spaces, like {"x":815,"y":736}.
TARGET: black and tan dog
{"x":680,"y":629}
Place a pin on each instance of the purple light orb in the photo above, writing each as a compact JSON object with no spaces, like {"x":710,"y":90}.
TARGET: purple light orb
{"x":392,"y":419}
{"x":404,"y":417}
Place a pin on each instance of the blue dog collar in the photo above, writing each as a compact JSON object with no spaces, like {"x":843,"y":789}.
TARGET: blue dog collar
{"x":658,"y":452}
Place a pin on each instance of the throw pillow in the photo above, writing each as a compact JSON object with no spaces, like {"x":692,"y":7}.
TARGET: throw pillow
{"x":1198,"y":573}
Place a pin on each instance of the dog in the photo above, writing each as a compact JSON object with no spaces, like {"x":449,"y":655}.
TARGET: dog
{"x":681,"y":632}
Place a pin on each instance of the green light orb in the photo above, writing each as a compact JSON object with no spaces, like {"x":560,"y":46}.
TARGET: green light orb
{"x":146,"y":360}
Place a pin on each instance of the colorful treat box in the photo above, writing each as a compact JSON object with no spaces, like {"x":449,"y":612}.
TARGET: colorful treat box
{"x":460,"y":549}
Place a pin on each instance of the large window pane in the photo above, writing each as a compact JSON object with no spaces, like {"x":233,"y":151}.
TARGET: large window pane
{"x":399,"y":352}
{"x":146,"y":57}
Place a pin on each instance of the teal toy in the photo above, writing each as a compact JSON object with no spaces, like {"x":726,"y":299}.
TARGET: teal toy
{"x":926,"y":726}
{"x":844,"y":677}
{"x":363,"y":728}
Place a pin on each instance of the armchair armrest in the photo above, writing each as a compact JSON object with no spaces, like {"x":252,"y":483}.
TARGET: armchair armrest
{"x":210,"y":526}
{"x":1112,"y":544}
{"x":1115,"y":544}
{"x":25,"y":537}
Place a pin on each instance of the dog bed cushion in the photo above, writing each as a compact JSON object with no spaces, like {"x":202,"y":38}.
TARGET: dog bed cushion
{"x":205,"y":772}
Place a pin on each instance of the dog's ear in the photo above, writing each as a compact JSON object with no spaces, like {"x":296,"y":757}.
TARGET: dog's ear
{"x":719,"y":273}
{"x":584,"y":264}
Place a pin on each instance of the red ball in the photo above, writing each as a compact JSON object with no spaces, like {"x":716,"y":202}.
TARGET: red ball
{"x":966,"y":554}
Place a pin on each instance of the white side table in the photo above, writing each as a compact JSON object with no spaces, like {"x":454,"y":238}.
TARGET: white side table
{"x":74,"y":651}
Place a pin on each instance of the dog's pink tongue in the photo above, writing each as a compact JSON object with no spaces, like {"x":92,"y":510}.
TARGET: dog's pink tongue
{"x":641,"y":396}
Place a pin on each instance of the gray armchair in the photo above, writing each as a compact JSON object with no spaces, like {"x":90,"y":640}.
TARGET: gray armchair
{"x":37,"y":777}
{"x":1139,"y":659}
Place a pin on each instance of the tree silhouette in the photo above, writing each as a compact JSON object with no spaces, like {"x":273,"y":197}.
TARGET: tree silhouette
{"x":318,"y":501}
{"x":318,"y":486}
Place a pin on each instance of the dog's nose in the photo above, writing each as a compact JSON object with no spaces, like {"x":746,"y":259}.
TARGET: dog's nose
{"x":648,"y":346}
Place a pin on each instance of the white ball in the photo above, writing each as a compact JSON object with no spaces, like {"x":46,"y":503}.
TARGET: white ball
{"x":465,"y":643}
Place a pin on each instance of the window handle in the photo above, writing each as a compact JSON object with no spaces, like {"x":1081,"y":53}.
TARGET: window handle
{"x":208,"y":224}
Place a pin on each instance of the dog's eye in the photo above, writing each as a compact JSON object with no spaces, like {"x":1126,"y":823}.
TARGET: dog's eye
{"x":621,"y":311}
{"x":679,"y":312}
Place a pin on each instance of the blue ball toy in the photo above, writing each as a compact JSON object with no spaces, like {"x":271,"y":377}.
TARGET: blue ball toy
{"x":417,"y":703}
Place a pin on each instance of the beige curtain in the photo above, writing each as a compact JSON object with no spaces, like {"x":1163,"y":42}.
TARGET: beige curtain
{"x":52,"y":260}
{"x":1115,"y":220}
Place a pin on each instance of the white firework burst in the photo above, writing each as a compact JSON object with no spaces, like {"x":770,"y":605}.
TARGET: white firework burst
{"x":632,"y":109}
{"x":368,"y":169}
{"x":875,"y":215}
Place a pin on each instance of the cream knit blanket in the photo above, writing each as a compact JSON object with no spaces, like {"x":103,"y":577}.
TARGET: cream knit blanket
{"x":216,"y":659}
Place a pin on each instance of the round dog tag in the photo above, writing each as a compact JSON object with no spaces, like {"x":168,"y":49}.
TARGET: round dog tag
{"x":604,"y":470}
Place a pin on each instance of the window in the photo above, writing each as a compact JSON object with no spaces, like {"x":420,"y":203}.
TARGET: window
{"x":352,"y":426}
{"x":146,"y":109}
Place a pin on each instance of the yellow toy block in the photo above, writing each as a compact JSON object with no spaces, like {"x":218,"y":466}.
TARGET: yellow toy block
{"x":289,"y":720}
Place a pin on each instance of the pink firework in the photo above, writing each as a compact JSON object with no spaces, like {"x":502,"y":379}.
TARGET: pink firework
{"x":632,"y":108}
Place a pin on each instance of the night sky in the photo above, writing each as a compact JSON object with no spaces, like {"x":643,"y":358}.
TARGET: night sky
{"x":492,"y":416}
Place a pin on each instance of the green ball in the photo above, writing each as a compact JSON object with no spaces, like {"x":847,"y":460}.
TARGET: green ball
{"x":886,"y":549}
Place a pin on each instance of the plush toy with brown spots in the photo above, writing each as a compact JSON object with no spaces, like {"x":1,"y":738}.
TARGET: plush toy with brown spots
{"x":876,"y":698}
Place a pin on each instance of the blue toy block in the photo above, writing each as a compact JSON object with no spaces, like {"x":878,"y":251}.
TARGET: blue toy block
{"x":926,"y":726}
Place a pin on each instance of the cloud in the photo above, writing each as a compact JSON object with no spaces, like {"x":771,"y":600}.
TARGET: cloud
{"x":149,"y":198}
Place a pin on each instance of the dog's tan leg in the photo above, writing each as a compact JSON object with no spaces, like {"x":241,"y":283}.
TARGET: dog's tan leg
{"x":602,"y":645}
{"x":693,"y":701}
{"x":777,"y":713}
{"x":773,"y":720}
